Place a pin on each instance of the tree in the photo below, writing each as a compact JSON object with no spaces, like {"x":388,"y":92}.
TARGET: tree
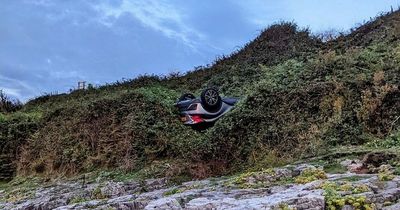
{"x":7,"y":104}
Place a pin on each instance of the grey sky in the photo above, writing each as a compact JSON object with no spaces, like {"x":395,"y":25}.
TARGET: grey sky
{"x":48,"y":45}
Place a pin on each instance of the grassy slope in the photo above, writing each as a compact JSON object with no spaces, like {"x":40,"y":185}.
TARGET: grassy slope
{"x":298,"y":96}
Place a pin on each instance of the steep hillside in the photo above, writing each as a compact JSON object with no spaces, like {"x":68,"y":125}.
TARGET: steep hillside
{"x":299,"y":96}
{"x":276,"y":44}
{"x":385,"y":28}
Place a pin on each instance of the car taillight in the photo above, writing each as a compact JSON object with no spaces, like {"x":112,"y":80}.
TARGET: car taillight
{"x":197,"y":119}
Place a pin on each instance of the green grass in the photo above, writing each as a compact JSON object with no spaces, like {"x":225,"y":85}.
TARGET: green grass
{"x":20,"y":188}
{"x":335,"y":168}
{"x":352,"y":178}
{"x":78,"y":200}
{"x":173,"y":191}
{"x":3,"y":185}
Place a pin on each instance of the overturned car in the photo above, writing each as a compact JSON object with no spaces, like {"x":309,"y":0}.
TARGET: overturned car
{"x":204,"y":110}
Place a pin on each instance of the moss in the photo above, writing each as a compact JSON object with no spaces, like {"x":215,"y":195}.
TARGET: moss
{"x":242,"y":180}
{"x":284,"y":206}
{"x":385,"y":174}
{"x":346,"y":187}
{"x":396,"y":171}
{"x":78,"y":200}
{"x":309,"y":175}
{"x":97,"y":193}
{"x":333,"y":200}
{"x":387,"y":203}
{"x":360,"y":189}
{"x":351,"y":178}
{"x":173,"y":191}
{"x":335,"y":168}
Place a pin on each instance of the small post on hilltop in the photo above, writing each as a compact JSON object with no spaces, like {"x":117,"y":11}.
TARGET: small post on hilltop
{"x":81,"y":85}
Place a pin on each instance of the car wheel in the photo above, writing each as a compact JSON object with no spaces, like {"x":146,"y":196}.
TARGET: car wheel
{"x":187,"y":96}
{"x":210,"y":99}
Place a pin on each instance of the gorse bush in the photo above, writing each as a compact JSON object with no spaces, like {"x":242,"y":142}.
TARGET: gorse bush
{"x":15,"y":129}
{"x":298,"y":96}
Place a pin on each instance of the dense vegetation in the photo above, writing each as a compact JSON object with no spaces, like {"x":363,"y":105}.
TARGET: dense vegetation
{"x":299,"y":96}
{"x":7,"y":104}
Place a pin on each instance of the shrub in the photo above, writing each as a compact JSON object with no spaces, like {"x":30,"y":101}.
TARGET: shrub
{"x":385,"y":174}
{"x":7,"y":104}
{"x":393,"y":140}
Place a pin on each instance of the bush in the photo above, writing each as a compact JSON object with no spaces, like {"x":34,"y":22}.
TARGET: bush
{"x":310,"y":175}
{"x":15,"y":129}
{"x":7,"y":104}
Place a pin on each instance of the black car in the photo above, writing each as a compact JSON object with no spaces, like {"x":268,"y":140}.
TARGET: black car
{"x":204,"y":110}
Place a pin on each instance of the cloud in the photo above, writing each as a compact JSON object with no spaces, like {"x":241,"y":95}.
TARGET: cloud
{"x":157,"y":15}
{"x":65,"y":75}
{"x":49,"y":45}
{"x":14,"y":87}
{"x":11,"y":92}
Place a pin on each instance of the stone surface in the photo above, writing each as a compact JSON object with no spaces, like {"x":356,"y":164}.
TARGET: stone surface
{"x":392,"y":207}
{"x":164,"y":203}
{"x":112,"y":189}
{"x":220,"y":193}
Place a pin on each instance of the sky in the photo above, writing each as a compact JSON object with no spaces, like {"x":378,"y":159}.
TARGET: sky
{"x":47,"y":46}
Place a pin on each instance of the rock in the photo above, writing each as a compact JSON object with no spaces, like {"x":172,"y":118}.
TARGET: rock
{"x":391,"y":195}
{"x":358,"y":168}
{"x":282,"y":173}
{"x":347,"y":162}
{"x":391,"y":185}
{"x":154,"y":184}
{"x":279,"y":188}
{"x":207,"y":203}
{"x":300,"y":168}
{"x":392,"y":207}
{"x":121,"y":199}
{"x":132,"y":187}
{"x":112,"y":189}
{"x":310,"y":202}
{"x":129,"y":205}
{"x":354,"y":166}
{"x":347,"y":207}
{"x":164,"y":203}
{"x":377,"y":158}
{"x":205,"y":194}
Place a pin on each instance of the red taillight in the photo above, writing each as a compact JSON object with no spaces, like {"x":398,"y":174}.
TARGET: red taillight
{"x":196,"y":119}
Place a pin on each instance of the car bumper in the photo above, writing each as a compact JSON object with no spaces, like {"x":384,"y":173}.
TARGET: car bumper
{"x":191,"y":120}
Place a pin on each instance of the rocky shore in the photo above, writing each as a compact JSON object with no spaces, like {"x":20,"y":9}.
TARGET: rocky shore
{"x":363,"y":184}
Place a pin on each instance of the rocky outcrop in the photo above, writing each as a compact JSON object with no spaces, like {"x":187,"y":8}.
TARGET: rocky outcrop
{"x":268,"y":189}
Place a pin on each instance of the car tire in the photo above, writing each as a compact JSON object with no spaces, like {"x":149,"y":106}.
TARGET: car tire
{"x":211,"y":100}
{"x":186,"y":96}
